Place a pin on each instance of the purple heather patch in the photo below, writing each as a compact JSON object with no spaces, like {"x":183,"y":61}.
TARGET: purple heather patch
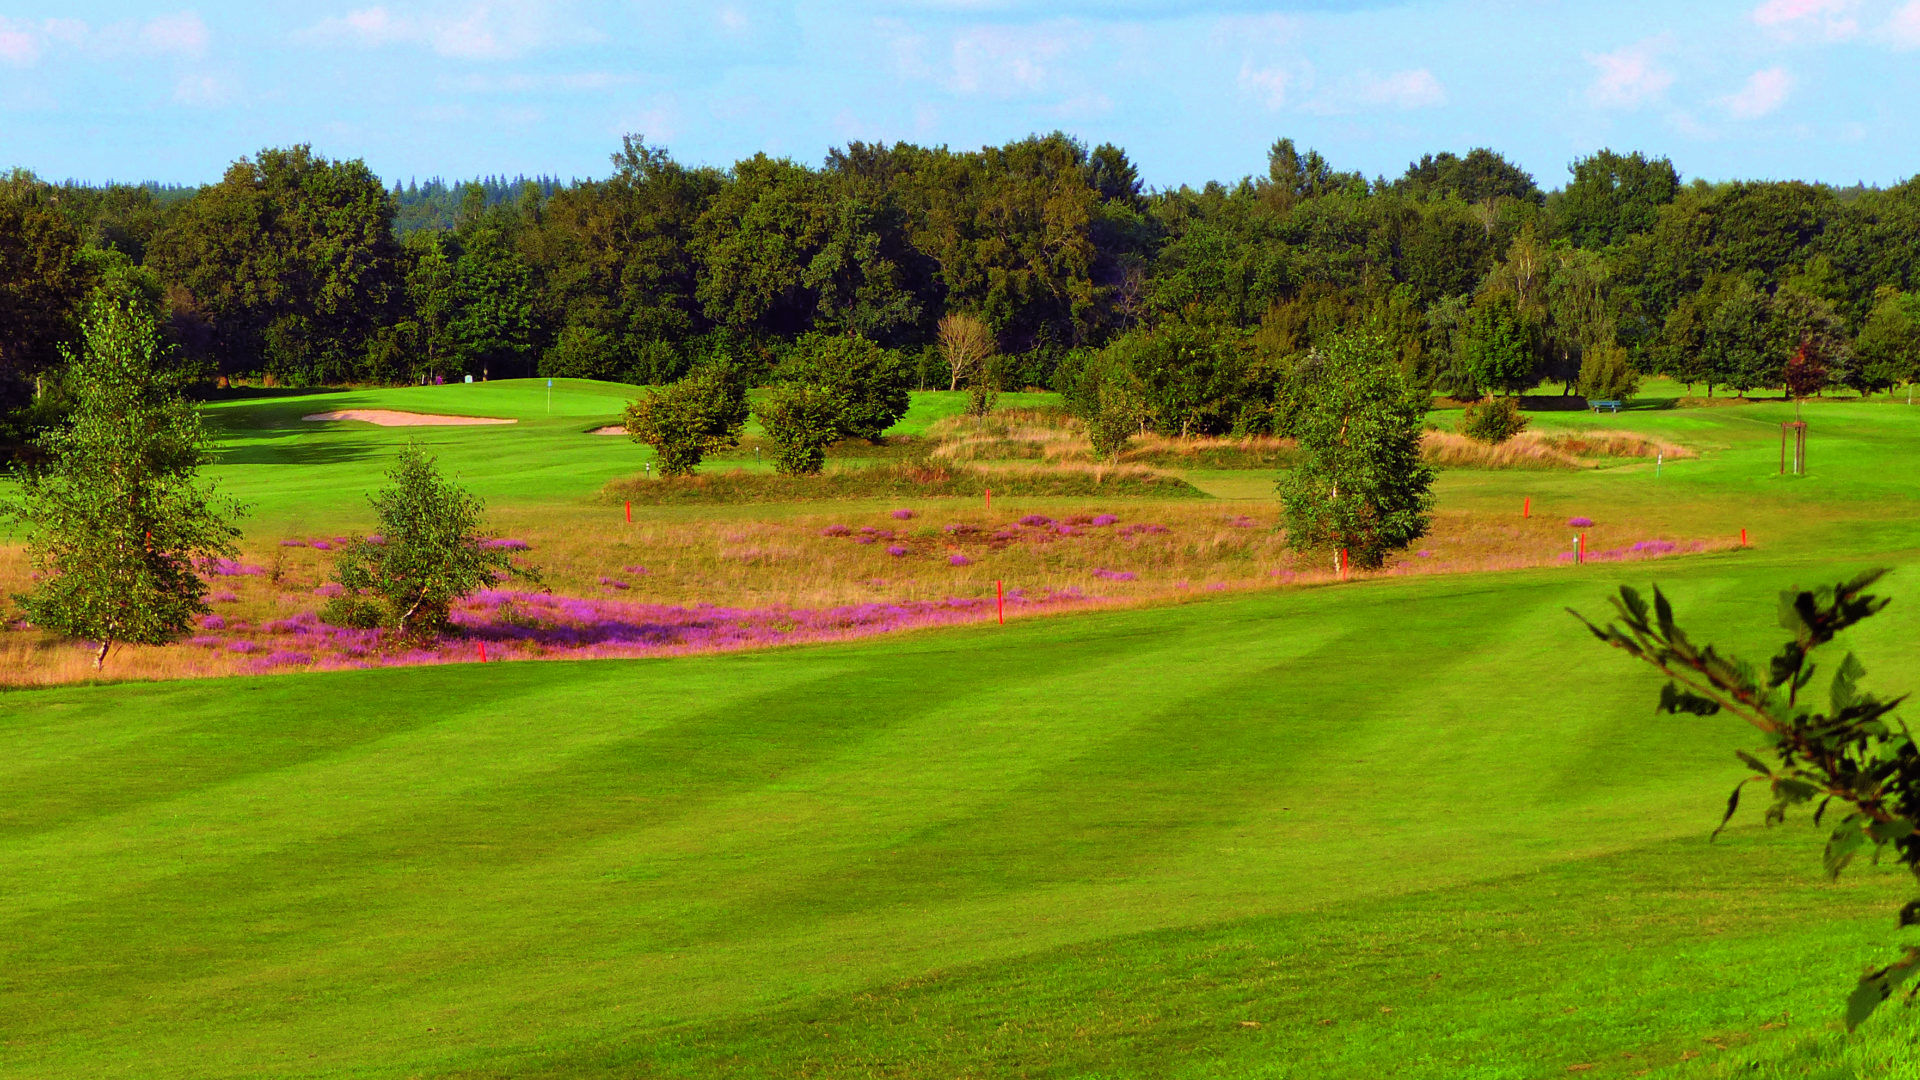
{"x":1115,"y":575}
{"x":207,"y":641}
{"x":503,"y":544}
{"x":1580,"y":522}
{"x":1645,"y":549}
{"x":228,"y":568}
{"x":1036,"y":520}
{"x":957,"y":559}
{"x":293,"y":543}
{"x":1104,"y":519}
{"x":835,"y":530}
{"x":321,"y":545}
{"x":636,"y":569}
{"x":222,"y":597}
{"x":212,"y":622}
{"x":896,"y":550}
{"x":863,"y":539}
{"x":329,"y":590}
{"x":614,"y":583}
{"x":903,"y":515}
{"x":242,"y":646}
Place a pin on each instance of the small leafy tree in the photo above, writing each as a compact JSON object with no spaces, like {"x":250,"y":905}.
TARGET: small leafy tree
{"x":116,"y":513}
{"x":1607,"y":375}
{"x":690,"y":419}
{"x":981,"y":395}
{"x":875,"y":383}
{"x":1855,"y":758}
{"x":1492,"y":420}
{"x":802,"y":419}
{"x":967,"y":344}
{"x":1358,"y":484}
{"x":430,"y":552}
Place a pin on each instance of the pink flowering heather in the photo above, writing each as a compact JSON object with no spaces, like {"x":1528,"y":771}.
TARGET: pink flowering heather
{"x":207,"y":641}
{"x":1036,"y":520}
{"x":896,"y":550}
{"x":212,"y":622}
{"x":293,"y":543}
{"x":1580,"y":522}
{"x":1645,"y":549}
{"x":1242,"y":521}
{"x":614,"y":583}
{"x":504,"y":544}
{"x":228,"y":568}
{"x":1104,"y":520}
{"x":330,"y":589}
{"x":636,"y":570}
{"x":957,"y":559}
{"x":1114,"y":575}
{"x":242,"y":646}
{"x":835,"y":530}
{"x":863,"y":539}
{"x":222,"y":597}
{"x":903,"y":515}
{"x":321,"y":545}
{"x":1141,"y":529}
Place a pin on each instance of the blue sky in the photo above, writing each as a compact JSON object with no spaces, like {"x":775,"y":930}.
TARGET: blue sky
{"x":1815,"y":89}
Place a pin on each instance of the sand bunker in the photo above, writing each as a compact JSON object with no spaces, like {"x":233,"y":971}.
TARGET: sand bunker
{"x":390,"y":418}
{"x":610,"y":429}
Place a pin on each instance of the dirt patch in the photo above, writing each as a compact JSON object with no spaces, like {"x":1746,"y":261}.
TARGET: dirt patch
{"x":391,"y":418}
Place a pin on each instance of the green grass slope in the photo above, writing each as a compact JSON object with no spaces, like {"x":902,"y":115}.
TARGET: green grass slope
{"x":1411,"y":827}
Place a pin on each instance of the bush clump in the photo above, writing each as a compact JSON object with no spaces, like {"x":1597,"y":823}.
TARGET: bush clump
{"x":1492,"y":420}
{"x":431,"y":554}
{"x":802,"y":419}
{"x":690,"y":419}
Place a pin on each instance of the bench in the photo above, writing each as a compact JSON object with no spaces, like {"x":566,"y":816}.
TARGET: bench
{"x":1610,"y":406}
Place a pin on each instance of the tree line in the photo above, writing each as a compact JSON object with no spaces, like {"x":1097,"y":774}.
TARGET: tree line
{"x":1187,"y":310}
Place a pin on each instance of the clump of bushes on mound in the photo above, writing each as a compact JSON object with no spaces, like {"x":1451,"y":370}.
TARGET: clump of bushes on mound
{"x":918,"y":479}
{"x":1492,"y":421}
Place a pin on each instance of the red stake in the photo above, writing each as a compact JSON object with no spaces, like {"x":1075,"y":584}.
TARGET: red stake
{"x":629,"y":511}
{"x":1000,"y":599}
{"x":483,"y":652}
{"x":1583,"y":549}
{"x":1343,"y":564}
{"x":989,"y":500}
{"x":1526,"y":508}
{"x":1743,"y":538}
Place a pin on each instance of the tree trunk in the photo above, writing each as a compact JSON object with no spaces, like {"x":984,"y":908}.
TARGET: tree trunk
{"x":100,"y":658}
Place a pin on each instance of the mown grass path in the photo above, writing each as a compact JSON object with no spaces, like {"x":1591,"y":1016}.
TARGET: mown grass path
{"x":1415,"y":827}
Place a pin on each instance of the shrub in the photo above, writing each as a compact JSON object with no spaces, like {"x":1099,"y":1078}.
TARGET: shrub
{"x":694,"y":417}
{"x":874,"y":382}
{"x":981,"y":395}
{"x":1492,"y":420}
{"x":1607,"y":375}
{"x":801,"y":419}
{"x":433,"y":555}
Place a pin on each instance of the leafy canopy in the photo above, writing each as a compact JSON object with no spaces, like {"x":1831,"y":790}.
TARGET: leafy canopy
{"x":1359,"y":484}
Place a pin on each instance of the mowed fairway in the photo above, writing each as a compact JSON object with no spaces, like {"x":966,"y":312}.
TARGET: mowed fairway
{"x":1417,"y":827}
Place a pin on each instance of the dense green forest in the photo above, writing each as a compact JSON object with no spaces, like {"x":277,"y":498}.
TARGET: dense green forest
{"x":304,"y":271}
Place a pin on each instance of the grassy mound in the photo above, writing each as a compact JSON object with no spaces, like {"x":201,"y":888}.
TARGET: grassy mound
{"x":903,"y":480}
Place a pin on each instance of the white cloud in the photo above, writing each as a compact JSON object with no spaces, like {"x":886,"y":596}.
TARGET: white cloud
{"x":1903,"y":30}
{"x":1415,"y":89}
{"x":200,"y":88}
{"x":1830,"y":20}
{"x":488,"y":31}
{"x":181,"y":34}
{"x":1267,"y":85}
{"x":19,"y":44}
{"x":1011,"y":61}
{"x":1764,"y":92}
{"x":1631,"y":75}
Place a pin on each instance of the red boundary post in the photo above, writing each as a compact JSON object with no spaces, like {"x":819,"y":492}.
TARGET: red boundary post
{"x":989,"y":500}
{"x":1000,"y":601}
{"x":1583,"y":550}
{"x":1343,"y":564}
{"x":1526,"y":508}
{"x":1743,"y":538}
{"x":629,"y":511}
{"x":483,"y":652}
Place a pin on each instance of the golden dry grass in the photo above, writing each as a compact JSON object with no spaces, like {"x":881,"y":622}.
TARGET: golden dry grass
{"x":1544,"y":449}
{"x":744,"y":557}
